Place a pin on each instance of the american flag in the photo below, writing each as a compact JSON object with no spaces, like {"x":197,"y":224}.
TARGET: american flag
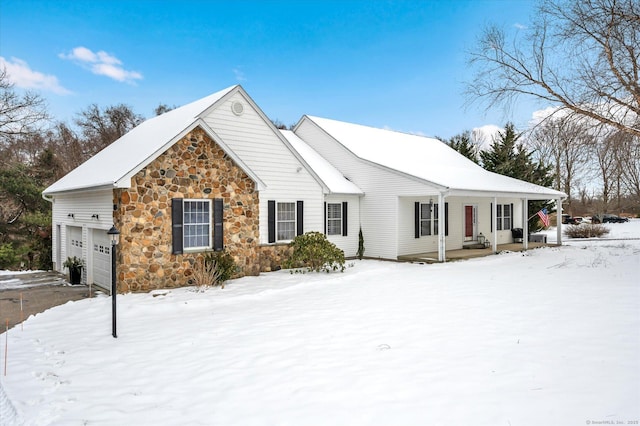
{"x":544,"y":217}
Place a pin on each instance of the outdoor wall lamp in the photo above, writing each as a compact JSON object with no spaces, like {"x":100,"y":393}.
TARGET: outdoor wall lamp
{"x":114,"y":236}
{"x":94,"y":216}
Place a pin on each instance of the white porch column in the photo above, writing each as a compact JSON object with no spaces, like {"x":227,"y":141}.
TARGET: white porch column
{"x":494,"y":225}
{"x":441,"y":235}
{"x":525,"y":223}
{"x":559,"y":224}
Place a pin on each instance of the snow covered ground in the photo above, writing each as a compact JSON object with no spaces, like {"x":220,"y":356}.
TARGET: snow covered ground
{"x":548,"y":337}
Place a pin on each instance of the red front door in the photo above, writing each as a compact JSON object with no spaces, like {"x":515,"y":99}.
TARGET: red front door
{"x":468,"y":222}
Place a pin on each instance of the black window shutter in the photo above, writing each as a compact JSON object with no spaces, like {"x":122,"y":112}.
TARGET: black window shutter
{"x":491,"y":217}
{"x":446,"y":219}
{"x":325,"y":218}
{"x":271,"y":220}
{"x":344,"y":219}
{"x":218,"y":217}
{"x":176,"y":226}
{"x":300,"y":217}
{"x":417,"y":219}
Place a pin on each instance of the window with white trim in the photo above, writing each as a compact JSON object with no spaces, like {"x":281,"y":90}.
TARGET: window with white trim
{"x":334,"y":219}
{"x":196,"y":224}
{"x":503,"y":217}
{"x":285,"y":221}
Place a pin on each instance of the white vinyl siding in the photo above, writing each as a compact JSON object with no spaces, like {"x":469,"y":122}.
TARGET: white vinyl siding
{"x":86,"y":212}
{"x":382,"y":226}
{"x":348,"y":243}
{"x":265,"y":153}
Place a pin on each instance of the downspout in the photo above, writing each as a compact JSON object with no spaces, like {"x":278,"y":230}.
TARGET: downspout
{"x":442,"y":245}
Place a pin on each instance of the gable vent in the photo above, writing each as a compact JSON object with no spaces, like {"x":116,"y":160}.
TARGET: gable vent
{"x":237,"y":108}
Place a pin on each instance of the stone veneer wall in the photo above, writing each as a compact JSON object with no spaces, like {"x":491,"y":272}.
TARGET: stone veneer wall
{"x":272,"y":257}
{"x":194,"y":167}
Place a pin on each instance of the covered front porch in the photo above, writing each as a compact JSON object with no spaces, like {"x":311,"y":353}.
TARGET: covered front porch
{"x":462,"y":254}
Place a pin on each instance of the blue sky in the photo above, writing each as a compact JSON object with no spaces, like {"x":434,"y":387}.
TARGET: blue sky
{"x":394,"y":64}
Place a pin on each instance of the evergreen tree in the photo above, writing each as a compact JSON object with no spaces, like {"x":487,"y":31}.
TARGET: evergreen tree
{"x":462,"y":143}
{"x":510,"y":158}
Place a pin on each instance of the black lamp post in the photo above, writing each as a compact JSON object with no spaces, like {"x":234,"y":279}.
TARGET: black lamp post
{"x":114,"y":235}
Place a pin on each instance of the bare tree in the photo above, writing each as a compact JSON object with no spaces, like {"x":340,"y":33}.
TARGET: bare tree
{"x":21,"y":117}
{"x":604,"y":147}
{"x":581,"y":55}
{"x":162,"y":108}
{"x":564,"y":143}
{"x":627,"y":157}
{"x":101,"y":127}
{"x":70,"y":150}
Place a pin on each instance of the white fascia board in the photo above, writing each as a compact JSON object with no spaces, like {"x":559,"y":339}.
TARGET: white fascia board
{"x":490,"y":194}
{"x":81,"y":188}
{"x":359,"y":194}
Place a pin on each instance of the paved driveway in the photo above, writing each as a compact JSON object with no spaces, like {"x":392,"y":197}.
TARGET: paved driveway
{"x":40,"y":291}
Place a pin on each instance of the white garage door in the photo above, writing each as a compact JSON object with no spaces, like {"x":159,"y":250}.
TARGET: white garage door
{"x":101,"y":252}
{"x":75,"y":241}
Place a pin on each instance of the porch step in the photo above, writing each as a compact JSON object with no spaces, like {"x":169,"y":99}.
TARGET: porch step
{"x":473,"y":246}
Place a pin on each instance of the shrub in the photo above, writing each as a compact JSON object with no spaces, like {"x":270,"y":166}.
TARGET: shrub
{"x":225,"y":264}
{"x":8,"y":256}
{"x":586,"y":230}
{"x":360,"y":252}
{"x":313,"y":251}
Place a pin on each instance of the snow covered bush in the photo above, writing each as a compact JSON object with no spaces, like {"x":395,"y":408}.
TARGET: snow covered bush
{"x":314,"y":252}
{"x":586,"y":230}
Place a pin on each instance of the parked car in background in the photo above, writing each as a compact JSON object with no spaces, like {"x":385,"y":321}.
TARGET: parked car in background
{"x":608,"y":218}
{"x":568,"y":220}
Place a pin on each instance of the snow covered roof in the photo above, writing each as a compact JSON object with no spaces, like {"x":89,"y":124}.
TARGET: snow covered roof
{"x":118,"y":162}
{"x":332,"y":177}
{"x":427,"y":159}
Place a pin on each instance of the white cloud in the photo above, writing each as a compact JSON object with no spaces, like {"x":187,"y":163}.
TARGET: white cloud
{"x":520,"y":26}
{"x":239,"y":74}
{"x":20,"y":74}
{"x":102,"y":63}
{"x":483,"y":136}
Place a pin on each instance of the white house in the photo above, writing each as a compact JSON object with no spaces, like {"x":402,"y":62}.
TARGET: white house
{"x":408,"y":180}
{"x":216,"y":174}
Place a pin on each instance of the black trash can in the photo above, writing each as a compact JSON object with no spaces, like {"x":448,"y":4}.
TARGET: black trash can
{"x":516,"y":233}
